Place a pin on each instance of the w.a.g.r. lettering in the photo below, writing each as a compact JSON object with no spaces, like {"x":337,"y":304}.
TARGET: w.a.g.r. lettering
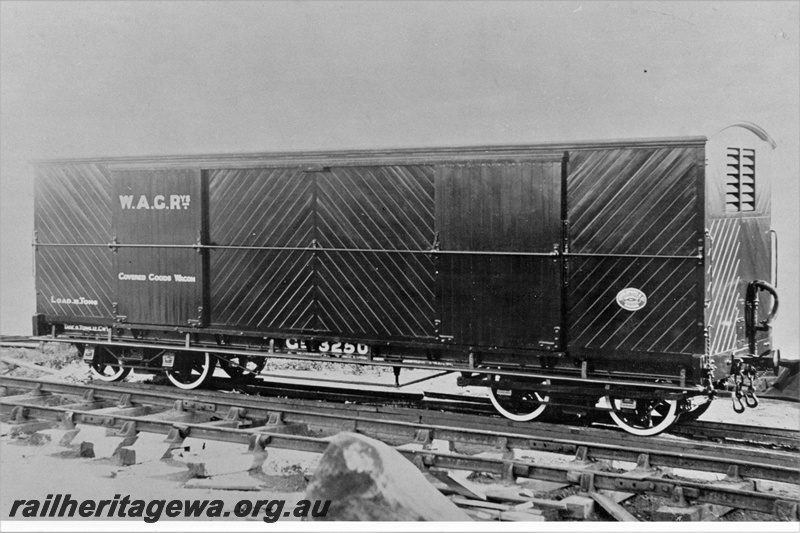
{"x":159,"y":201}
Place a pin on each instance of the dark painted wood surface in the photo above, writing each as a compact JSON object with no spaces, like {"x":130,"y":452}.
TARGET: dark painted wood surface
{"x":502,"y":299}
{"x":158,"y":207}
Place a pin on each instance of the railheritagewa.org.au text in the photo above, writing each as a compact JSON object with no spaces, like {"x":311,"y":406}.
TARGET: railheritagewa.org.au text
{"x":64,"y":506}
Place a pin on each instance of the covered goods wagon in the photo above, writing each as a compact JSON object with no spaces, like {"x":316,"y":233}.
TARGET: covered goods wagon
{"x":638,"y":273}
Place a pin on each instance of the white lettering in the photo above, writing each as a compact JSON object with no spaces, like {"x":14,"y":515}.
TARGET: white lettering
{"x":293,"y":344}
{"x":185,"y":279}
{"x":176,"y":201}
{"x":131,"y":277}
{"x":79,"y":327}
{"x":157,"y":277}
{"x":80,"y":300}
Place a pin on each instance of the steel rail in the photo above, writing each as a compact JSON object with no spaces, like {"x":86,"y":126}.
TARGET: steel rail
{"x":454,"y":403}
{"x":721,"y":430}
{"x":694,"y":429}
{"x":408,"y":425}
{"x":478,"y":413}
{"x":465,"y":414}
{"x":258,"y":438}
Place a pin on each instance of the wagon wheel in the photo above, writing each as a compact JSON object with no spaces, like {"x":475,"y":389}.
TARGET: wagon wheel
{"x":105,"y":366}
{"x":643,"y":417}
{"x":518,"y":405}
{"x":192,"y":370}
{"x":241,"y":365}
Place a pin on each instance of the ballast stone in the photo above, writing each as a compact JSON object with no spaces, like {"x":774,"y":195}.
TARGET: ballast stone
{"x":368,"y":480}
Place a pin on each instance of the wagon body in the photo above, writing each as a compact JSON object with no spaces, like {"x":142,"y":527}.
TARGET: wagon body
{"x":593,"y":254}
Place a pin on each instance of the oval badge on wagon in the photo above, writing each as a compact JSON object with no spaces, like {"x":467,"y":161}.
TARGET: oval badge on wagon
{"x":631,"y":299}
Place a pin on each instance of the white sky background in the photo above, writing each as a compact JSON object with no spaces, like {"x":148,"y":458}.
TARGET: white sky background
{"x":115,"y":78}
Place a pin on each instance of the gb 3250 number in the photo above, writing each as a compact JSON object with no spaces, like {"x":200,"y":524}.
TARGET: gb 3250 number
{"x":344,"y":348}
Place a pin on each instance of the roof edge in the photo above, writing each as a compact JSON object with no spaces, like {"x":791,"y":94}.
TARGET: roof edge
{"x":755,"y":129}
{"x":376,"y":153}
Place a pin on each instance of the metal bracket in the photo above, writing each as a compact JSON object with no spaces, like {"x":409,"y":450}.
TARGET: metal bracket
{"x":68,"y":420}
{"x":197,"y":322}
{"x":177,"y":434}
{"x":633,"y":485}
{"x":552,"y":446}
{"x":115,"y":310}
{"x":99,"y":420}
{"x":643,"y":467}
{"x":501,"y":445}
{"x":702,"y":251}
{"x":678,"y":498}
{"x":423,"y":436}
{"x":507,"y":476}
{"x":586,"y":482}
{"x":34,"y":250}
{"x":732,"y":474}
{"x":275,"y":419}
{"x":582,"y":455}
{"x":124,"y":402}
{"x":235,"y":414}
{"x":19,"y":415}
{"x":258,"y":442}
{"x":198,"y":406}
{"x":419,"y":462}
{"x":128,"y":429}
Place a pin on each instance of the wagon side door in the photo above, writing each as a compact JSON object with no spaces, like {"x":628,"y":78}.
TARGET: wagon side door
{"x":636,"y":284}
{"x":156,"y":221}
{"x":499,"y":267}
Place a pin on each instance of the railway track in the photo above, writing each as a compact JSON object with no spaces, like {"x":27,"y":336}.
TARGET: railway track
{"x":588,"y":459}
{"x":460,"y":403}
